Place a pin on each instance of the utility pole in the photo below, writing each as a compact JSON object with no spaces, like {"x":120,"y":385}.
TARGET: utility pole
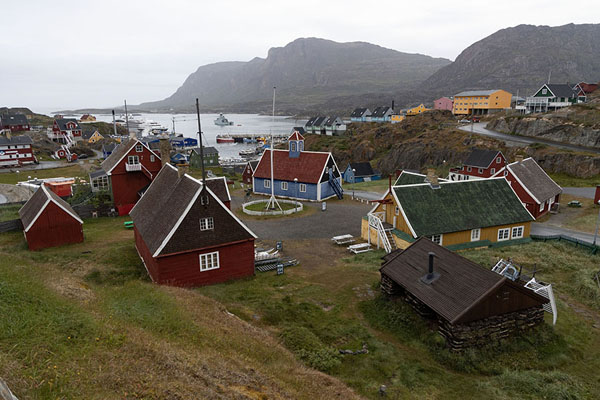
{"x":201,"y":146}
{"x":127,"y":119}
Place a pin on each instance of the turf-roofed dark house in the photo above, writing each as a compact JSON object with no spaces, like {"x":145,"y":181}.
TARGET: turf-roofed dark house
{"x":472,"y":306}
{"x":49,"y":221}
{"x":185,"y":234}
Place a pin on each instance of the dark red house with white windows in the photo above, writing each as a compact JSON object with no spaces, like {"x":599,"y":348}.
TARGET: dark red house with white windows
{"x":65,"y":130}
{"x":199,"y":241}
{"x":49,"y":221}
{"x":479,"y":164}
{"x":15,"y":122}
{"x":127,"y":172}
{"x":536,"y":190}
{"x":16,"y":150}
{"x":249,"y":171}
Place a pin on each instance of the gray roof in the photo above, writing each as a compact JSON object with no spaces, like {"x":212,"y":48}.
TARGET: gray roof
{"x":62,"y":123}
{"x":562,"y":90}
{"x":37,"y":202}
{"x":177,"y":230}
{"x":109,"y":148}
{"x":97,"y":173}
{"x":358,"y":112}
{"x":14,"y":119}
{"x":362,"y":169}
{"x":380,"y":112}
{"x":477,"y":92}
{"x":21,"y":139}
{"x":208,"y":150}
{"x":535,"y":180}
{"x":481,"y":158}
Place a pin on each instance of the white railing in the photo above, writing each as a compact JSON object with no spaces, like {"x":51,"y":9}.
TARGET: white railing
{"x":377,"y":223}
{"x":133,"y":167}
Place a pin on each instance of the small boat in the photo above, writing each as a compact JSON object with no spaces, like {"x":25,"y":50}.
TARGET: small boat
{"x":223,"y":121}
{"x":247,"y":153}
{"x":222,"y":139}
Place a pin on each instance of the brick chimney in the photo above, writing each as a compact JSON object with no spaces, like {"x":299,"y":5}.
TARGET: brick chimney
{"x":518,"y":158}
{"x":181,"y":170}
{"x":432,"y":178}
{"x":165,"y":150}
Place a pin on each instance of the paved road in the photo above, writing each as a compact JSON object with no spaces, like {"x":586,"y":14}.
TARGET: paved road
{"x":585,"y":192}
{"x":482,"y":130}
{"x":341,"y":217}
{"x":545,"y":229}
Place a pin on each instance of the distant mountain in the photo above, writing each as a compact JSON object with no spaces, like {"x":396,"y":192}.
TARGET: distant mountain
{"x":521,"y":58}
{"x":307,"y":72}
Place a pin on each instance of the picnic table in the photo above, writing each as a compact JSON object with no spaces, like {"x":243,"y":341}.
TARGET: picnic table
{"x":360,"y":248}
{"x":343,"y":239}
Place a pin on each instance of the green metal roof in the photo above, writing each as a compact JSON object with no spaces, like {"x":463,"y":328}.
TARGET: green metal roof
{"x":460,"y":206}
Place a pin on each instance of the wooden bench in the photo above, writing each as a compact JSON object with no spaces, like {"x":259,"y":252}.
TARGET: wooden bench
{"x":360,"y":248}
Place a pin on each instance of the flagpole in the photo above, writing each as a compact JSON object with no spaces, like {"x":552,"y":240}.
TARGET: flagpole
{"x":272,"y":203}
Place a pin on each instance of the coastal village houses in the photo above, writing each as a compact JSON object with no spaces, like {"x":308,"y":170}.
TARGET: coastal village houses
{"x":16,"y":150}
{"x":211,"y":157}
{"x":249,"y":171}
{"x":91,"y":136}
{"x":316,"y":125}
{"x":49,"y":221}
{"x":331,"y":125}
{"x":334,"y":126}
{"x":552,"y":96}
{"x":457,"y":215}
{"x":65,"y":131}
{"x":360,"y":172}
{"x":479,"y":164}
{"x":416,"y":110}
{"x":298,"y":174}
{"x":481,"y":102}
{"x":537,"y":191}
{"x":469,"y":305}
{"x":198,"y":242}
{"x":443,"y":103}
{"x":360,"y":115}
{"x":382,"y":114}
{"x":127,"y":172}
{"x":14,"y":122}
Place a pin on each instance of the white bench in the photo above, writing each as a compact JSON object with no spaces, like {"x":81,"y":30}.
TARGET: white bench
{"x":343,"y":239}
{"x":360,"y":248}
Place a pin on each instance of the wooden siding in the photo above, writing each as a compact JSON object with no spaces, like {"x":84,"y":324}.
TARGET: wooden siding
{"x":236,"y":261}
{"x":54,"y":227}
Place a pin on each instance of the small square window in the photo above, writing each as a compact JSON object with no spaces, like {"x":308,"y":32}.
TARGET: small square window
{"x":498,"y":160}
{"x":152,"y":158}
{"x":436,"y":239}
{"x":493,"y":171}
{"x":209,"y":261}
{"x":303,"y":187}
{"x":475,"y":234}
{"x":517,"y":232}
{"x":284,"y":186}
{"x":267,"y":183}
{"x":480,"y":170}
{"x":207,"y":224}
{"x":139,"y":148}
{"x":503,"y":234}
{"x":204,"y":200}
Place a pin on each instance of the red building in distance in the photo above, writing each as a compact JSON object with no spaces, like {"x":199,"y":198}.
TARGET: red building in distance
{"x":16,"y":150}
{"x":479,"y":164}
{"x":15,"y":122}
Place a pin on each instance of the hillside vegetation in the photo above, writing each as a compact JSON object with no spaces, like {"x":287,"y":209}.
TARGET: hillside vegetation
{"x":432,"y":140}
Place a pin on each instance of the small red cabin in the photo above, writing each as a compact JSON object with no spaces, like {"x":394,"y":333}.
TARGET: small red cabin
{"x":249,"y":172}
{"x":49,"y":221}
{"x":199,"y":241}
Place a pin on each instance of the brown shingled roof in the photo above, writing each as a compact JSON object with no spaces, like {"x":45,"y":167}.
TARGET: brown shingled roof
{"x":534,"y":179}
{"x":36,"y":204}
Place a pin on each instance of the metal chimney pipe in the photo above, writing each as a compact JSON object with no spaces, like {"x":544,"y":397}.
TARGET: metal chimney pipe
{"x":430,"y":270}
{"x":392,"y":105}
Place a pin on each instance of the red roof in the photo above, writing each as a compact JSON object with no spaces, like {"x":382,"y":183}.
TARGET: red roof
{"x":296,"y":136}
{"x":307,"y":167}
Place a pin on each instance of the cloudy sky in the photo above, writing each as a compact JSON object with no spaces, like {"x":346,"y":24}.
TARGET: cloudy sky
{"x":67,"y":53}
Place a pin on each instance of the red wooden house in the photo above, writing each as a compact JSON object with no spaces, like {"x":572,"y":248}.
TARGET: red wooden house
{"x":186,"y":236}
{"x":65,"y":131}
{"x":249,"y":171}
{"x":15,"y":122}
{"x":49,"y":221}
{"x":536,"y":190}
{"x":219,"y":187}
{"x":16,"y":150}
{"x":130,"y":169}
{"x":479,"y":164}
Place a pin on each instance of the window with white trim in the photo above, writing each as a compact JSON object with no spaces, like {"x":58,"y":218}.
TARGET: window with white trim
{"x":498,"y":160}
{"x":480,"y":170}
{"x":284,"y":186}
{"x":152,"y":158}
{"x":397,"y":210}
{"x":542,"y":207}
{"x":207,"y":224}
{"x":133,"y":160}
{"x":267,"y":183}
{"x":204,"y":200}
{"x":468,"y":169}
{"x":517,"y":232}
{"x":475,"y":234}
{"x":139,"y":148}
{"x":503,"y":234}
{"x":302,"y":187}
{"x":209,"y":261}
{"x":436,"y":239}
{"x":293,"y":146}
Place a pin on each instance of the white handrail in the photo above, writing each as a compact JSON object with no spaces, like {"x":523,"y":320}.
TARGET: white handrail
{"x":376,"y":223}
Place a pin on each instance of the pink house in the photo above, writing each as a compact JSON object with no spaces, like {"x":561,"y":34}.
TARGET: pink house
{"x":443,"y":103}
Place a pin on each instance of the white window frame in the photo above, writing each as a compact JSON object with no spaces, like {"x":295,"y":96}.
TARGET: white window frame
{"x":303,"y":188}
{"x":267,"y":183}
{"x":439,"y":240}
{"x":293,"y":146}
{"x":475,"y":234}
{"x":542,"y":206}
{"x":152,"y":158}
{"x":284,"y":185}
{"x":493,"y":171}
{"x":480,"y":170}
{"x":135,"y":159}
{"x":397,"y":210}
{"x":139,"y":148}
{"x":207,"y":224}
{"x":209,"y":261}
{"x":498,"y":160}
{"x":204,"y":200}
{"x":468,"y":169}
{"x":519,"y":236}
{"x":503,"y":234}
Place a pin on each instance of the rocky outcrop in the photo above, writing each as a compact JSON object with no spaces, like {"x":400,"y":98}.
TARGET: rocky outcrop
{"x":558,"y":129}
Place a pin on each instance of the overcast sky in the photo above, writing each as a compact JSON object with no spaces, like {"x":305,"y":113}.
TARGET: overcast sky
{"x":67,"y":53}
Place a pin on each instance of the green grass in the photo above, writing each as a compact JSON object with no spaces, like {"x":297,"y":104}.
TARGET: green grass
{"x":380,"y":186}
{"x":9,"y":212}
{"x":572,"y":181}
{"x":67,"y":171}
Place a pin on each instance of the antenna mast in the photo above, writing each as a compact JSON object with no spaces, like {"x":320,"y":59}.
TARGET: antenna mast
{"x":201,"y":146}
{"x":272,"y":201}
{"x":127,"y":119}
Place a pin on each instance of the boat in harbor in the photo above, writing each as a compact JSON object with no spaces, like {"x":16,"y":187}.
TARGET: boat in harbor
{"x":247,"y":153}
{"x":223,"y":121}
{"x":225,"y":139}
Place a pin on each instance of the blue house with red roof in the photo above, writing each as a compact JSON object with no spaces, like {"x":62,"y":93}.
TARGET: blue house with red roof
{"x":298,"y":174}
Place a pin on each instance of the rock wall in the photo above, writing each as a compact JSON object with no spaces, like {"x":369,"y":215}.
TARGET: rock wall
{"x":558,"y":129}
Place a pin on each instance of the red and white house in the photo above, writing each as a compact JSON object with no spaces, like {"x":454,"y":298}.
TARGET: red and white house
{"x":199,"y":241}
{"x":14,"y":122}
{"x":65,"y":131}
{"x":49,"y":221}
{"x":16,"y":150}
{"x":130,"y":168}
{"x":249,"y":171}
{"x":536,"y":190}
{"x":480,"y":164}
